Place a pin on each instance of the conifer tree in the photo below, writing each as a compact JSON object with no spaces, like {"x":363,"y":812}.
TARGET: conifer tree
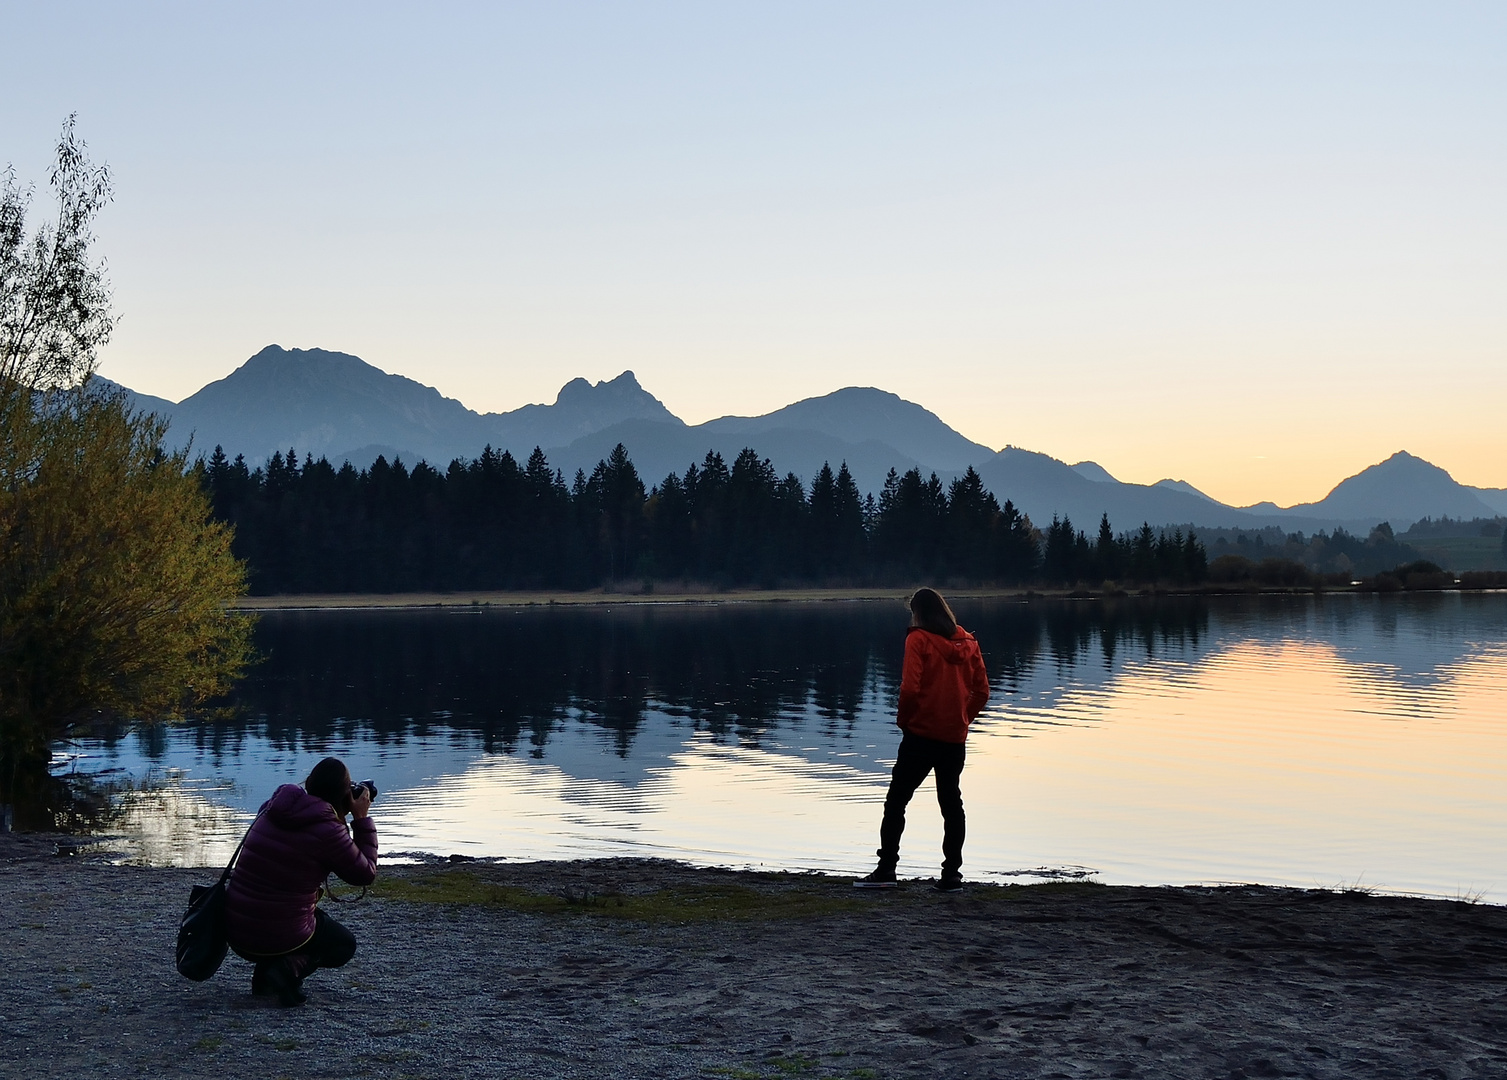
{"x":615,"y":496}
{"x":1106,"y":553}
{"x":1142,"y":560}
{"x":821,"y":555}
{"x":850,"y":540}
{"x":970,"y":521}
{"x":1059,"y":560}
{"x":1195,"y":559}
{"x":669,"y":516}
{"x":749,"y":517}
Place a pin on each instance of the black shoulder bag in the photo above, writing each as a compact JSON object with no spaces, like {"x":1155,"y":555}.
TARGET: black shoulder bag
{"x":201,"y":934}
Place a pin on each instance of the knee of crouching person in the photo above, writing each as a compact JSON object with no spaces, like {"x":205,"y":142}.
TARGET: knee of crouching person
{"x":343,"y":954}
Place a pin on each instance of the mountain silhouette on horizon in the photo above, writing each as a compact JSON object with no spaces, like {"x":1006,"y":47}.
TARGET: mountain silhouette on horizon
{"x":854,"y":414}
{"x":320,"y":402}
{"x":1403,"y":487}
{"x":336,"y":405}
{"x":1092,"y":470}
{"x":869,"y":430}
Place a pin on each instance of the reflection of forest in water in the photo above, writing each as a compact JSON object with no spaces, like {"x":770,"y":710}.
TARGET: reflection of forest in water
{"x":509,"y":678}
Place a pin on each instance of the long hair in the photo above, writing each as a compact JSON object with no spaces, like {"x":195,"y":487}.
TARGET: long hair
{"x":330,"y":781}
{"x":930,"y":612}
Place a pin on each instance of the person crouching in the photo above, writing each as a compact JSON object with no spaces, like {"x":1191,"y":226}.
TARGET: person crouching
{"x":299,"y":838}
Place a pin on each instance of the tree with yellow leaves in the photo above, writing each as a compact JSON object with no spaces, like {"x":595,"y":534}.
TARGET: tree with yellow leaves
{"x":114,"y":576}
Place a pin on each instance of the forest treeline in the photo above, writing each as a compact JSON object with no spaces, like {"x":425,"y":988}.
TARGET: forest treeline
{"x":493,"y":523}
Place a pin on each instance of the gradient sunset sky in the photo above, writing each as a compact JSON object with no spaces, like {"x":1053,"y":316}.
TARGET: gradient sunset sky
{"x":1256,"y":247}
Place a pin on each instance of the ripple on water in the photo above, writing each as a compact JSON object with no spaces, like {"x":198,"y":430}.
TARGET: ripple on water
{"x":1310,"y":742}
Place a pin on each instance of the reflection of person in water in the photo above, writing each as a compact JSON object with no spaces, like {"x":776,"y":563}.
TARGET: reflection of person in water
{"x":943,"y":686}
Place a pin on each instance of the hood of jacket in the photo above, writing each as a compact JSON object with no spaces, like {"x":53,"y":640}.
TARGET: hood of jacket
{"x":955,"y":650}
{"x":294,"y":808}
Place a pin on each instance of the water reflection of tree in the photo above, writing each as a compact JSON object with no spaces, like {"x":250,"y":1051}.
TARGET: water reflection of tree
{"x":509,"y":679}
{"x":1015,"y":638}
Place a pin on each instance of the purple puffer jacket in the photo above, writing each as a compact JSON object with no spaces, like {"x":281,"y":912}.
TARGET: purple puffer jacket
{"x":292,"y":848}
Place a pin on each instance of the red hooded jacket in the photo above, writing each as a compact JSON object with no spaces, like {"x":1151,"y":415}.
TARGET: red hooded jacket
{"x":943,"y":685}
{"x":294,"y":845}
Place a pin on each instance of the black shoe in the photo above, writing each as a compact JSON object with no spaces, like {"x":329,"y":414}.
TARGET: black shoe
{"x":880,"y":879}
{"x":278,"y":978}
{"x":259,"y":985}
{"x":948,"y":884}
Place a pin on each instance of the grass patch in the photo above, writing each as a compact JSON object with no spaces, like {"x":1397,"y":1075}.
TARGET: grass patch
{"x":793,"y":1064}
{"x":1036,"y":890}
{"x":780,"y":1066}
{"x":1355,"y":888}
{"x":675,"y":904}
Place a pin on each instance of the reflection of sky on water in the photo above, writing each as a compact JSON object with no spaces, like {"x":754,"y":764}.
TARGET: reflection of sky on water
{"x":1294,"y":740}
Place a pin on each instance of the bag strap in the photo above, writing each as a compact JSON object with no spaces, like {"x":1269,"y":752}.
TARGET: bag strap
{"x":225,"y":876}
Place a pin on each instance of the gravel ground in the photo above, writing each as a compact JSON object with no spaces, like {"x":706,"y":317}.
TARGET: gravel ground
{"x":584,"y":970}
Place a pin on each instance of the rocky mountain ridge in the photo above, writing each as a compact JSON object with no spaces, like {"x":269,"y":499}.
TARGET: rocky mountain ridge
{"x":338,"y":406}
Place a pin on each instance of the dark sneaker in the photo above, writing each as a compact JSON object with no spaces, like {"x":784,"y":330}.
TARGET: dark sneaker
{"x":259,"y":985}
{"x":949,"y":884}
{"x":277,"y":977}
{"x":879,"y":879}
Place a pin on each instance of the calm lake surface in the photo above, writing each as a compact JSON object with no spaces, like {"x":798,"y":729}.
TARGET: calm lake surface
{"x":1308,"y":741}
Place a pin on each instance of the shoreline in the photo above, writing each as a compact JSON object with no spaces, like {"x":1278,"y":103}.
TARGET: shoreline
{"x":648,"y":968}
{"x":667,"y":596}
{"x":64,"y":849}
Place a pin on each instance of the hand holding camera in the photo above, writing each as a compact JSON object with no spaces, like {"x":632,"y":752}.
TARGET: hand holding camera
{"x":362,"y":797}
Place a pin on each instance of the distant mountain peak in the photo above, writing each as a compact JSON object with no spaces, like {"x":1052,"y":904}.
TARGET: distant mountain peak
{"x":1400,"y":465}
{"x":1092,"y":470}
{"x":1183,"y":486}
{"x":625,"y":386}
{"x":325,"y":402}
{"x":583,"y":407}
{"x":859,"y":414}
{"x":1404,"y":488}
{"x":275,"y":358}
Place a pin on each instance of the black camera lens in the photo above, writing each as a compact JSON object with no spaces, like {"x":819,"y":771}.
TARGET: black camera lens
{"x":369,"y":785}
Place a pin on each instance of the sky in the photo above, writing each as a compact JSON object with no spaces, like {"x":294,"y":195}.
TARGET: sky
{"x":1256,"y":247}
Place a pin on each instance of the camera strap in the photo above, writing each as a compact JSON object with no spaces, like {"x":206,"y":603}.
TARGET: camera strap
{"x":327,"y":891}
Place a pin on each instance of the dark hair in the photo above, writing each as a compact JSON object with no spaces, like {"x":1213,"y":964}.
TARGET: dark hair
{"x":930,"y":612}
{"x":331,"y":781}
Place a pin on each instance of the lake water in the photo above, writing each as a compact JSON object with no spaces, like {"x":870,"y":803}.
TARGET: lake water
{"x":1308,"y":741}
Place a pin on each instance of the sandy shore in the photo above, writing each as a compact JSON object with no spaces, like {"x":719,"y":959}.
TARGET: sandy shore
{"x":635,"y":968}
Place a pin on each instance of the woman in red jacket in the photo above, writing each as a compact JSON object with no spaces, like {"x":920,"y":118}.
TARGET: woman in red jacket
{"x":299,"y":839}
{"x":943,"y":686}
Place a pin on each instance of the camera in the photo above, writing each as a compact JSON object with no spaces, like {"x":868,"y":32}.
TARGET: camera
{"x":368,"y":785}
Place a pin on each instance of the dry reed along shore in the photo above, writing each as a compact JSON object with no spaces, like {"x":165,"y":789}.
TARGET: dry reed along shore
{"x":639,"y":968}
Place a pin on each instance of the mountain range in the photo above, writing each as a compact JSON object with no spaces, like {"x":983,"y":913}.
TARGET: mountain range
{"x":338,"y":406}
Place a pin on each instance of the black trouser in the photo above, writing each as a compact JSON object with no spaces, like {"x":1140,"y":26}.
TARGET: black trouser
{"x":331,"y":946}
{"x":917,"y":757}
